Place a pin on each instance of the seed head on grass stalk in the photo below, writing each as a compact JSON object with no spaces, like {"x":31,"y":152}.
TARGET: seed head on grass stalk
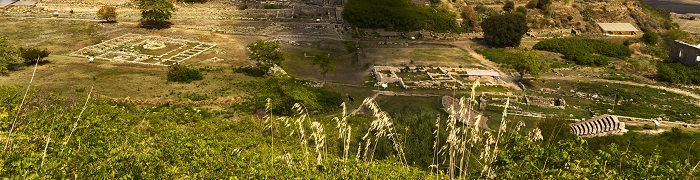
{"x":344,"y":130}
{"x":382,"y":126}
{"x":317,"y":132}
{"x":299,"y":121}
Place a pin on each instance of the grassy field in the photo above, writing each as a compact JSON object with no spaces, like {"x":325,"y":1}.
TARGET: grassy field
{"x":451,"y":57}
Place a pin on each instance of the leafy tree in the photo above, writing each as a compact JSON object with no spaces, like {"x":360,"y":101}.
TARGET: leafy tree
{"x":32,"y":55}
{"x":509,"y":6}
{"x":9,"y":56}
{"x":155,"y":13}
{"x":177,"y":73}
{"x":266,"y":54}
{"x":325,"y":63}
{"x":528,"y":63}
{"x":470,"y":17}
{"x":505,"y":30}
{"x":108,"y":13}
{"x":649,"y":37}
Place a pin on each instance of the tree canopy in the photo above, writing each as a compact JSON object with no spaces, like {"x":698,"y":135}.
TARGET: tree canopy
{"x":155,"y":13}
{"x":527,"y":63}
{"x":266,"y":54}
{"x":504,"y":30}
{"x":107,"y":13}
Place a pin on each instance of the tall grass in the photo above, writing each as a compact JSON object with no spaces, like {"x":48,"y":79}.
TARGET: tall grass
{"x":19,"y":109}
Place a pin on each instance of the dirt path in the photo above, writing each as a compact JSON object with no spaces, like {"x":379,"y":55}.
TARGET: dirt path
{"x":510,"y":80}
{"x":674,"y":90}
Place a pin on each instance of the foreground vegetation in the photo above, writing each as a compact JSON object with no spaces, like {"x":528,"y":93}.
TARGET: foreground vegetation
{"x":56,"y":137}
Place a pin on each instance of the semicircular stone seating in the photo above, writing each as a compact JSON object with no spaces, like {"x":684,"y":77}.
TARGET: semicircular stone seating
{"x":604,"y":125}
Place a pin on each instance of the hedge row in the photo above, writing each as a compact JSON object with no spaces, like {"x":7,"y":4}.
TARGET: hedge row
{"x":585,"y":51}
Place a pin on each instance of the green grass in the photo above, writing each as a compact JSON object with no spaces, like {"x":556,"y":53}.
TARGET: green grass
{"x":633,"y":101}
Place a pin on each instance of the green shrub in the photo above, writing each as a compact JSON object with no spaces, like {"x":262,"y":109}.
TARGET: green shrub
{"x":677,"y":73}
{"x":649,"y":37}
{"x":178,"y":73}
{"x":32,"y":55}
{"x":585,"y":51}
{"x":272,"y":6}
{"x":250,"y":71}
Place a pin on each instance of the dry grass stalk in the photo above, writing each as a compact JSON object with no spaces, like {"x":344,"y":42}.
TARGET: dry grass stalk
{"x":75,"y":125}
{"x":382,"y":126}
{"x":319,"y":136}
{"x":303,"y":115}
{"x":48,"y":139}
{"x":14,"y":122}
{"x":436,"y":144}
{"x":344,"y":131}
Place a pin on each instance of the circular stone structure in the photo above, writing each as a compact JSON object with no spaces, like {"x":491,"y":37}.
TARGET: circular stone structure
{"x":152,"y":45}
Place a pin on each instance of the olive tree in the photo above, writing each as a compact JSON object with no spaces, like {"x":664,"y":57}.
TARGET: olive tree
{"x":155,"y":13}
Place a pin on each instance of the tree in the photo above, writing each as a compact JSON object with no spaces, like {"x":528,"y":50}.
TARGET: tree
{"x":504,"y":30}
{"x":32,"y":55}
{"x":9,"y":56}
{"x":509,"y":6}
{"x":530,"y":64}
{"x":266,"y":54}
{"x":470,"y":18}
{"x":108,"y":13}
{"x":155,"y":13}
{"x":325,"y":63}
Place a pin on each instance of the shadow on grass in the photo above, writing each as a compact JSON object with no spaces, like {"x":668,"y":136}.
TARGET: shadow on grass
{"x":155,"y":24}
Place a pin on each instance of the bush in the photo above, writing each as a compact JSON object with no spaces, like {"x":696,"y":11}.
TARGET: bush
{"x":649,"y":37}
{"x":677,"y":73}
{"x":32,"y":55}
{"x":585,"y":51}
{"x":178,"y":73}
{"x":250,"y":71}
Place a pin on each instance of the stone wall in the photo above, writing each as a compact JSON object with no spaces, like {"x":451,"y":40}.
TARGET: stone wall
{"x":685,"y":53}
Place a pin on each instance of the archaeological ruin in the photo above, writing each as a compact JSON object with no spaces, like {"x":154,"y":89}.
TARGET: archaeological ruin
{"x":604,"y":125}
